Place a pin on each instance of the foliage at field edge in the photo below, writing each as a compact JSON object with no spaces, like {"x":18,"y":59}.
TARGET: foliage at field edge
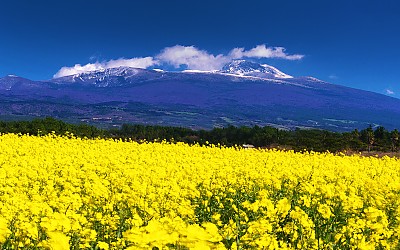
{"x":72,"y":193}
{"x":369,"y":139}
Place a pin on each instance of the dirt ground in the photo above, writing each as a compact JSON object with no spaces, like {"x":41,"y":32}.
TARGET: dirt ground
{"x":375,"y":154}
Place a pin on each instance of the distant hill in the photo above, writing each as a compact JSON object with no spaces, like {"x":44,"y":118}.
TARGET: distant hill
{"x":242,"y":93}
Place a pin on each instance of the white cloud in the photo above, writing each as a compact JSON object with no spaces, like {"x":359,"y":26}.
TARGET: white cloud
{"x":77,"y":68}
{"x":389,"y":92}
{"x":191,"y":57}
{"x":262,"y":51}
{"x":188,"y":56}
{"x":195,"y":58}
{"x":139,"y":62}
{"x":333,"y":77}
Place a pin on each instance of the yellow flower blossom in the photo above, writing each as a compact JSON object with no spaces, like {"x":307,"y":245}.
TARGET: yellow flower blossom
{"x":325,"y":211}
{"x":69,"y":193}
{"x":283,"y":206}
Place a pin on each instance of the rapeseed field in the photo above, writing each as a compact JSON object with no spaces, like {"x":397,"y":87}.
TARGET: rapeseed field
{"x":71,"y":193}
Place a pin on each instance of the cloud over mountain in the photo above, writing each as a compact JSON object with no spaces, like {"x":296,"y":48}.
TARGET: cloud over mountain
{"x":187,"y":56}
{"x":262,"y":51}
{"x":137,"y":62}
{"x":192,"y":58}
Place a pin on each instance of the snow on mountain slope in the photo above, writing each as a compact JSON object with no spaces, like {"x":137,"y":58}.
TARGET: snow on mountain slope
{"x":237,"y":70}
{"x":111,"y":77}
{"x":247,"y":68}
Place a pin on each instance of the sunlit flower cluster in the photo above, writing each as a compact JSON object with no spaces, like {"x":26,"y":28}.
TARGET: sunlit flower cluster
{"x":71,"y":193}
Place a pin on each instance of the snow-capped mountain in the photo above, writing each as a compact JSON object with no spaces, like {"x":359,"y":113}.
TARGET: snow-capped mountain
{"x":122,"y":76}
{"x":108,"y":77}
{"x":235,"y":71}
{"x":247,"y":68}
{"x":242,"y":93}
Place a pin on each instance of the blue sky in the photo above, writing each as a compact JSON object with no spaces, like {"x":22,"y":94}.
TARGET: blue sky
{"x":352,"y":43}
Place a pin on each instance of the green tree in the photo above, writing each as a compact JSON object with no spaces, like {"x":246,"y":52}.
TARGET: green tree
{"x":367,"y":136}
{"x":394,"y":136}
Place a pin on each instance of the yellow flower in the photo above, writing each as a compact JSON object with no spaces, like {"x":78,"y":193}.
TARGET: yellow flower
{"x":4,"y":231}
{"x":127,"y":195}
{"x":283,"y":206}
{"x":102,"y":245}
{"x":58,"y":241}
{"x":325,"y":211}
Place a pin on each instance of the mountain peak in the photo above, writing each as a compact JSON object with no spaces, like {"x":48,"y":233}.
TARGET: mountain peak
{"x":10,"y":76}
{"x":249,"y":68}
{"x":117,"y":71}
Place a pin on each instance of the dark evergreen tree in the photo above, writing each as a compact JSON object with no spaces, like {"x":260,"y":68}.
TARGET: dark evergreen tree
{"x":394,"y":136}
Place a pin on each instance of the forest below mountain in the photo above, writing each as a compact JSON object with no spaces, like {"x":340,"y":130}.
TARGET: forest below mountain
{"x":369,"y":139}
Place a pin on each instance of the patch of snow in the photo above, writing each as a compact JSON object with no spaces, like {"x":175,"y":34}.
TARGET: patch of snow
{"x":197,"y":71}
{"x":158,"y":70}
{"x":243,"y":67}
{"x":276,"y":72}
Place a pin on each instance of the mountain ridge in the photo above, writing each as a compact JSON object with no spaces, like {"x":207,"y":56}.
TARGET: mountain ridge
{"x":241,"y":93}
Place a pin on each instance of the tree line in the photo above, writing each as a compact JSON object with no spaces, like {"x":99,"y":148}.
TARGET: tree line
{"x":368,"y":139}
